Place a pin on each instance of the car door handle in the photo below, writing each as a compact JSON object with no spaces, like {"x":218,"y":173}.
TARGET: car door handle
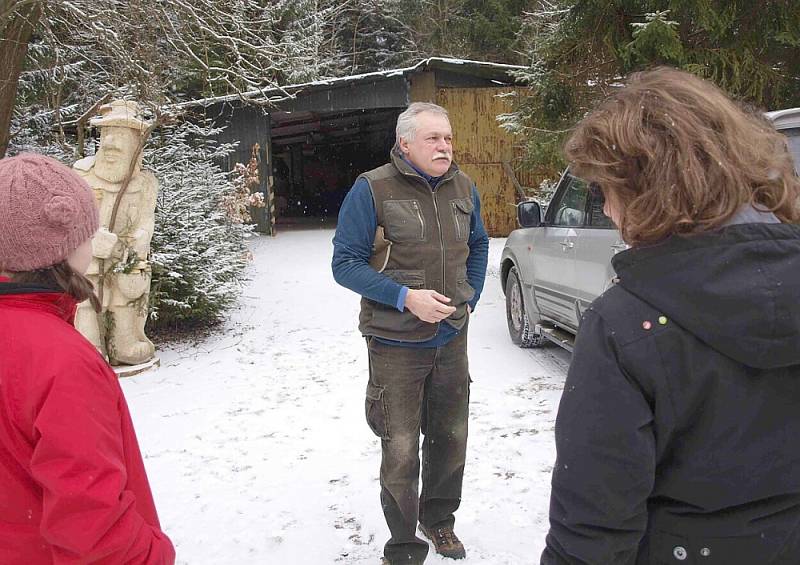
{"x":567,"y":244}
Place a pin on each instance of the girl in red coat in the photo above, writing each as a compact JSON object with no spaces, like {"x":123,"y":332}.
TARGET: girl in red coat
{"x":73,"y":488}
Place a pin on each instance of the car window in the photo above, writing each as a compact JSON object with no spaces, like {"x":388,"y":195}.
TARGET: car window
{"x":570,"y":209}
{"x":596,"y":217}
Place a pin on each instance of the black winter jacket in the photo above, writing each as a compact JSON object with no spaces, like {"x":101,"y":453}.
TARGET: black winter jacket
{"x":678,"y":432}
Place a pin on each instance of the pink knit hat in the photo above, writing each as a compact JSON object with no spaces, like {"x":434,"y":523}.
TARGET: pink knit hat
{"x":46,"y":212}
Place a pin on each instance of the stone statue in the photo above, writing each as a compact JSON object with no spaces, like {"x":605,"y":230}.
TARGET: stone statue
{"x":119,"y":269}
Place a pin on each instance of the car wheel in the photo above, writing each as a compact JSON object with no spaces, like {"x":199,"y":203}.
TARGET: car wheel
{"x":519,"y":326}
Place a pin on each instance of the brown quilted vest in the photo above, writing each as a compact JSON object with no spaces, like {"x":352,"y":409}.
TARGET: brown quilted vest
{"x":428,"y":231}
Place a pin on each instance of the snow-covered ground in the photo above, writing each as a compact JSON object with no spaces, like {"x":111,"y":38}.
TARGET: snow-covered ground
{"x":255,"y":440}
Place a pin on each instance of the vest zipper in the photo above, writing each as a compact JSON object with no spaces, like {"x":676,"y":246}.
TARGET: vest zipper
{"x":421,"y":220}
{"x":441,"y":242}
{"x":438,"y":221}
{"x":454,"y":210}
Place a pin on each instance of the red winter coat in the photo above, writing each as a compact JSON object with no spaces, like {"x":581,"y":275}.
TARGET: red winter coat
{"x":73,"y":488}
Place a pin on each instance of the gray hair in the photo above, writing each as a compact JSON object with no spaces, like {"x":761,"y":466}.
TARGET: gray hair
{"x":407,"y":121}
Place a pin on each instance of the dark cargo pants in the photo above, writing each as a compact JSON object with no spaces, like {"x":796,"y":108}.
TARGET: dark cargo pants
{"x":412,"y":390}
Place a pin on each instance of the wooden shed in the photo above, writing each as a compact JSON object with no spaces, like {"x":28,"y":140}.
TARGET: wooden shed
{"x":314,"y":139}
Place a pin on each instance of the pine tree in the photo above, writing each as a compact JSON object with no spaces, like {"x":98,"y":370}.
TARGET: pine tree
{"x":579,"y":50}
{"x":375,"y":35}
{"x":469,"y":29}
{"x":199,"y":250}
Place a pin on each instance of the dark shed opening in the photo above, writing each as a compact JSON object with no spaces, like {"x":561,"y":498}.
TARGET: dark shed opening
{"x":317,"y":156}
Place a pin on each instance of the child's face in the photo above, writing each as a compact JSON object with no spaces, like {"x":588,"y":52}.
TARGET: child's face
{"x":80,"y":259}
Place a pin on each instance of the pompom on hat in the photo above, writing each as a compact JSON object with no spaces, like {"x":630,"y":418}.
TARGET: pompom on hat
{"x":46,"y":212}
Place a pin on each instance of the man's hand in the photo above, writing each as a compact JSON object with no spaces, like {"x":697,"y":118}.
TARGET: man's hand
{"x":428,"y":305}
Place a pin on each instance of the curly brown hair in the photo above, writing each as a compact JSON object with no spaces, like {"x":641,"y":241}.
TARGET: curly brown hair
{"x":676,"y":155}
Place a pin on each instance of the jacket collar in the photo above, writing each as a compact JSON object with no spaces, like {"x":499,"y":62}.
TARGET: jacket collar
{"x":38,"y":297}
{"x":407,"y":169}
{"x":433,"y":181}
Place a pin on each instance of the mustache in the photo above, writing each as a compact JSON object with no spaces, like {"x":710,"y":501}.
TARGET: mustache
{"x":441,"y":156}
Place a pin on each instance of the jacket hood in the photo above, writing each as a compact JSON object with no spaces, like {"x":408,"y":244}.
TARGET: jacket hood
{"x":737,"y":289}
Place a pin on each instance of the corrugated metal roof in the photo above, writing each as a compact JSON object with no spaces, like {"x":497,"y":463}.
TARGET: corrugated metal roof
{"x":484,"y":69}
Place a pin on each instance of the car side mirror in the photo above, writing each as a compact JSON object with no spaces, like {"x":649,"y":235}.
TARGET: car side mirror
{"x":529,"y":214}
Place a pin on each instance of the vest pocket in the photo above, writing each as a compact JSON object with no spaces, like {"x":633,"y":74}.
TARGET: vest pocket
{"x":405,"y":277}
{"x":462,"y":216}
{"x":404,"y":220}
{"x":464,"y":291}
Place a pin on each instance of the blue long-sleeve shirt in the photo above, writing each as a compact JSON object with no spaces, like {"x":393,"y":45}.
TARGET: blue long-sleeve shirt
{"x":352,"y":249}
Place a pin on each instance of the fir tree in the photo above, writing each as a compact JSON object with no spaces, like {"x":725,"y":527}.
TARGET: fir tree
{"x":375,"y":35}
{"x":579,"y":50}
{"x":199,"y":250}
{"x":470,"y":29}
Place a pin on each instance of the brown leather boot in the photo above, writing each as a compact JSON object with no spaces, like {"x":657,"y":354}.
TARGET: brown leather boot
{"x":445,"y":541}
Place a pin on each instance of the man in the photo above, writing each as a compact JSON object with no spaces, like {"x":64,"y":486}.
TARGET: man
{"x":120,"y":250}
{"x":411,"y":242}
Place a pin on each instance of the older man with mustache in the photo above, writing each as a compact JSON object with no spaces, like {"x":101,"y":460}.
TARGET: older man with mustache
{"x":411,"y":242}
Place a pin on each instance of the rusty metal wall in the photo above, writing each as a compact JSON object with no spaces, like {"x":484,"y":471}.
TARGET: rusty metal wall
{"x":481,"y":148}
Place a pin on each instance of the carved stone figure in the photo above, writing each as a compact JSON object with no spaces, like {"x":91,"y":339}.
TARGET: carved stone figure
{"x":120,"y":269}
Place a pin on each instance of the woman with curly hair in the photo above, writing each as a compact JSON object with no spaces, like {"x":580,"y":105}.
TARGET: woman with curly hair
{"x":676,"y":430}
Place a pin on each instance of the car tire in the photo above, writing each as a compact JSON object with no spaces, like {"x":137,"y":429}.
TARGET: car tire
{"x":519,"y":325}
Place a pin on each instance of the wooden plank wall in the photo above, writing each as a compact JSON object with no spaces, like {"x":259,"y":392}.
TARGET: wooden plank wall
{"x":481,"y":148}
{"x":423,"y":87}
{"x":250,"y":126}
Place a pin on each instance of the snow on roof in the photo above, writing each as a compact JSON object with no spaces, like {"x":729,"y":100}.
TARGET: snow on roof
{"x":276,"y":94}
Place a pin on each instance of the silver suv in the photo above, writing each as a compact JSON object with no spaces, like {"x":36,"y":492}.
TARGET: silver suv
{"x":560,"y":260}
